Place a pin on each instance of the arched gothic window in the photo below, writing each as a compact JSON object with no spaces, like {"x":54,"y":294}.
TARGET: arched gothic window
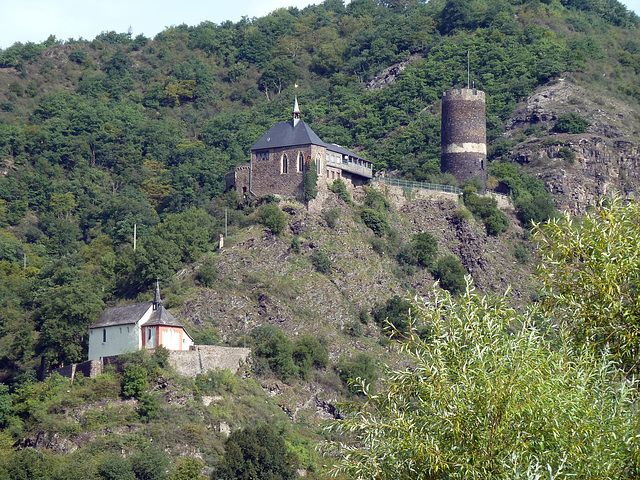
{"x":285,"y":164}
{"x":300,"y":162}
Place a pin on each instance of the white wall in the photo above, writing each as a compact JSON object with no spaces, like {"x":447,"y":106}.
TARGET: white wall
{"x":120,"y":339}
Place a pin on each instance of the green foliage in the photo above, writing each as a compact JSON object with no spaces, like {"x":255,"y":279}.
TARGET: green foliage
{"x":357,"y":371}
{"x":276,"y":350}
{"x":376,"y":220}
{"x":591,"y":270}
{"x":486,"y":209}
{"x":535,"y":209}
{"x":310,"y":182}
{"x":340,"y":188}
{"x":273,"y":218}
{"x":321,"y":262}
{"x":567,"y":154}
{"x":115,"y":468}
{"x":571,"y":123}
{"x":188,"y":468}
{"x":295,"y":244}
{"x":393,"y":315}
{"x":521,"y":253}
{"x":207,"y":273}
{"x":149,"y":406}
{"x":422,"y":250}
{"x":135,"y":381}
{"x":217,"y":382}
{"x":450,"y":273}
{"x":309,"y":352}
{"x":150,"y":463}
{"x":481,"y":399}
{"x":255,"y":453}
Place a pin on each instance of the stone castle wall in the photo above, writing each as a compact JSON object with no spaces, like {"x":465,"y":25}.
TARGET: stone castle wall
{"x":199,"y":359}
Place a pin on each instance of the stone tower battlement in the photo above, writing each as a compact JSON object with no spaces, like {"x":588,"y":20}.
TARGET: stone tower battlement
{"x":464,"y":134}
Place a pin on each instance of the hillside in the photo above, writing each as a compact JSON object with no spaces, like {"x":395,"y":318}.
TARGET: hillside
{"x":99,"y":136}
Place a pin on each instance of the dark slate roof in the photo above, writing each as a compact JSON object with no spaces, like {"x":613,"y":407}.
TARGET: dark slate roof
{"x":130,"y":314}
{"x":284,"y":134}
{"x":161,"y":316}
{"x":122,"y":315}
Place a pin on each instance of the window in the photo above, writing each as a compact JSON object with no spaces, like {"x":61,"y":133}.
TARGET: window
{"x":104,"y":335}
{"x":149,"y":335}
{"x":318,"y":168}
{"x":300,"y":162}
{"x":285,"y":164}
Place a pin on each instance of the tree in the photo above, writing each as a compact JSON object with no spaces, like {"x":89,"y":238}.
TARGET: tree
{"x":591,"y":272}
{"x":310,"y":183}
{"x":571,"y":123}
{"x":482,"y":400}
{"x":255,"y":454}
{"x":273,"y":218}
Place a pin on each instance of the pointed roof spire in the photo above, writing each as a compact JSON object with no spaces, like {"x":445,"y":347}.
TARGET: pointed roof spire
{"x":157,"y":300}
{"x":296,"y":112}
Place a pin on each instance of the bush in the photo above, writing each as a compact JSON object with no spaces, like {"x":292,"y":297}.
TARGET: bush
{"x":295,"y":244}
{"x":115,"y":468}
{"x":321,"y":261}
{"x":450,"y":272}
{"x":134,"y":381}
{"x":376,"y":220}
{"x":361,"y":367}
{"x":256,"y":453}
{"x":276,"y":349}
{"x":207,"y":274}
{"x":521,"y":253}
{"x":571,"y":123}
{"x":148,"y":408}
{"x":310,"y":183}
{"x":396,"y":312}
{"x":272,"y":217}
{"x":486,"y":209}
{"x":535,"y":209}
{"x":567,"y":154}
{"x":340,"y":188}
{"x":309,"y":352}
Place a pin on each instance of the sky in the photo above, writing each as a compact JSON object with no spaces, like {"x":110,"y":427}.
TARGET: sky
{"x":34,"y":20}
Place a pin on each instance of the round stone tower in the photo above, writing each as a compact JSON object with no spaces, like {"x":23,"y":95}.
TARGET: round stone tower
{"x":464,"y":134}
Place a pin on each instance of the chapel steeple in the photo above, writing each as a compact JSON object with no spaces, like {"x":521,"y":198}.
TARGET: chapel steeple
{"x":296,"y":112}
{"x":157,"y":300}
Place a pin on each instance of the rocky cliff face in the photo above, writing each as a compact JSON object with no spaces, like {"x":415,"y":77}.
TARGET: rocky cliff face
{"x":603,"y":160}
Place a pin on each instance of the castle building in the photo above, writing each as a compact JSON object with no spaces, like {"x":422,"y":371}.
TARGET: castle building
{"x":134,"y":327}
{"x":464,"y":134}
{"x":282,"y":156}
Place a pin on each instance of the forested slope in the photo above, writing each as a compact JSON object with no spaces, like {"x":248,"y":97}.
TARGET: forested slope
{"x":96,"y":136}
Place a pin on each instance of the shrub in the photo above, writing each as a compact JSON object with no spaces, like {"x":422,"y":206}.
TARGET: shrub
{"x":115,"y":468}
{"x":375,"y":199}
{"x":571,"y":123}
{"x":321,"y":261}
{"x":207,"y":274}
{"x":150,"y":463}
{"x":486,"y":209}
{"x":450,"y":272}
{"x":376,"y":220}
{"x":256,"y":453}
{"x":535,"y":209}
{"x":396,"y":312}
{"x":340,"y":188}
{"x":295,"y":244}
{"x":148,"y":408}
{"x":276,"y":349}
{"x":361,"y":368}
{"x":310,"y":183}
{"x":567,"y":154}
{"x":521,"y":253}
{"x":426,"y":248}
{"x":273,"y":218}
{"x":217,"y":381}
{"x":309,"y":352}
{"x":134,"y":381}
